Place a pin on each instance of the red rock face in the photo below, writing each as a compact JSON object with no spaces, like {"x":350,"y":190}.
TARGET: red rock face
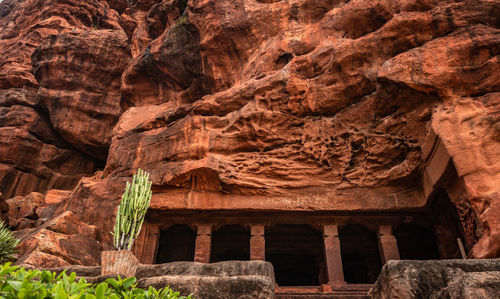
{"x":292,"y":105}
{"x":59,"y":93}
{"x":61,"y":242}
{"x":79,"y":77}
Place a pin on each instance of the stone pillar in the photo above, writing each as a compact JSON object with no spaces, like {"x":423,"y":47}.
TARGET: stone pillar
{"x":257,"y":243}
{"x":146,"y":245}
{"x":332,"y":255}
{"x":387,"y":244}
{"x":203,"y":244}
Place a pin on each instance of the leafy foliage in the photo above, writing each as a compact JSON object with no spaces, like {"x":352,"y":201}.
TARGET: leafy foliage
{"x":8,"y":244}
{"x":39,"y":284}
{"x":135,"y":202}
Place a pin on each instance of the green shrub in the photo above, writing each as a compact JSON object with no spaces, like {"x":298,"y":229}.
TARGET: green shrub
{"x":135,"y":202}
{"x":39,"y":284}
{"x":8,"y":244}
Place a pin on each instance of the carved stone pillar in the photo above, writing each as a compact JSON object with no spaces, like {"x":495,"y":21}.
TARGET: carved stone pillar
{"x":257,"y":243}
{"x":203,"y":244}
{"x":387,"y":244}
{"x":332,"y":255}
{"x":146,"y":244}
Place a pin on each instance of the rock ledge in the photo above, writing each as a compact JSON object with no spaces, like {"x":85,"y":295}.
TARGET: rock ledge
{"x":439,"y":279}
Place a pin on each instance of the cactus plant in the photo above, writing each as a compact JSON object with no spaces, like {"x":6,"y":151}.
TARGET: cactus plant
{"x":132,"y":210}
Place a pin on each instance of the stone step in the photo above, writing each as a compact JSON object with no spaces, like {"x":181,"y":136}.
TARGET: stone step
{"x":346,"y":291}
{"x":322,"y":296}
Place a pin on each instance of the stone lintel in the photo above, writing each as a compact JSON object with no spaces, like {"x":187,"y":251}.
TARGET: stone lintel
{"x":367,"y":199}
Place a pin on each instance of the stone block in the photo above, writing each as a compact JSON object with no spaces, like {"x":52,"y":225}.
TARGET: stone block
{"x":224,"y":280}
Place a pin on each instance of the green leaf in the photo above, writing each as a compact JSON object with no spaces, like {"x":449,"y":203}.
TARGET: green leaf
{"x":127,"y":283}
{"x":60,"y":292}
{"x":16,"y":285}
{"x":47,"y":276}
{"x":113,"y":283}
{"x":6,"y":269}
{"x":101,"y":290}
{"x":72,"y":276}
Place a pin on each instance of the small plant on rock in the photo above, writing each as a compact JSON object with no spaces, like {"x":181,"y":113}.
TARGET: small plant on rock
{"x":132,"y":210}
{"x":8,"y":244}
{"x":182,"y":20}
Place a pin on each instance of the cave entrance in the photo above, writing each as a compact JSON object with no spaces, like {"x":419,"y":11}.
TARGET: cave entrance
{"x":360,"y":254}
{"x":176,"y":244}
{"x":436,"y":236}
{"x":416,"y":242}
{"x":297,"y":254}
{"x":230,"y":243}
{"x":448,"y":226}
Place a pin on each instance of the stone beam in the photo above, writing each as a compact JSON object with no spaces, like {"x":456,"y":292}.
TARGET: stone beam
{"x":367,"y":199}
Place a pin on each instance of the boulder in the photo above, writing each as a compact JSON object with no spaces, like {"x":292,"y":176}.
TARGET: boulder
{"x":55,"y":196}
{"x":223,"y":280}
{"x":233,"y":268}
{"x":25,"y":207}
{"x":213,"y":287}
{"x":454,"y":279}
{"x":62,"y":241}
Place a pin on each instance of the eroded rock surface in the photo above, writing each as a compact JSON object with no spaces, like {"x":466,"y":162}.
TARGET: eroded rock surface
{"x":452,"y":279}
{"x":231,"y":279}
{"x":79,"y":76}
{"x":62,"y":241}
{"x":322,"y":105}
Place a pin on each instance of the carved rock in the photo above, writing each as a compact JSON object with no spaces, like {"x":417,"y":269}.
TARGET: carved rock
{"x":114,"y":262}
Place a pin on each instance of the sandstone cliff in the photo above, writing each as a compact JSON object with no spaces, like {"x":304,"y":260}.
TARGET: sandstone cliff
{"x":307,"y":101}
